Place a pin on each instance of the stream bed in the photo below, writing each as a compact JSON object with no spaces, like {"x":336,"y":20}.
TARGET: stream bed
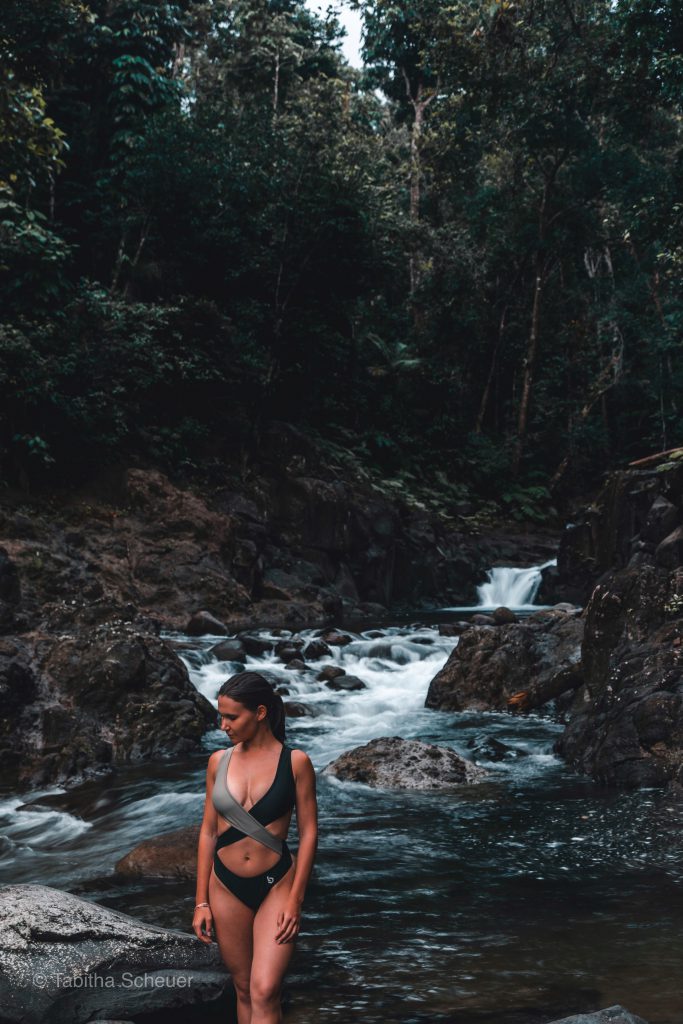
{"x":518,"y":900}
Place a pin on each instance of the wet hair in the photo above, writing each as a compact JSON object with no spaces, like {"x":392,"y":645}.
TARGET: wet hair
{"x":252,"y":689}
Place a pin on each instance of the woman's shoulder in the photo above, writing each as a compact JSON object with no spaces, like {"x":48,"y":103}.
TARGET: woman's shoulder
{"x":300,"y":758}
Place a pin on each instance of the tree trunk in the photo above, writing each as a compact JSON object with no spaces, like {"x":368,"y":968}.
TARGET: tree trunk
{"x":492,"y":372}
{"x":528,"y":366}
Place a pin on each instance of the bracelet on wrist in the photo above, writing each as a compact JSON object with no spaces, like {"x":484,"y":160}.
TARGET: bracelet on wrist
{"x":198,"y":905}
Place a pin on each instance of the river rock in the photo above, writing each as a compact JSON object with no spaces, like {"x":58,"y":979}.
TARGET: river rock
{"x":349,"y":683}
{"x":490,"y":666}
{"x":316,"y":649}
{"x":296,"y":665}
{"x":229,"y":650}
{"x":169,"y":855}
{"x":394,"y":763}
{"x":336,"y":639}
{"x":203,"y":623}
{"x":626,"y":723}
{"x":297,"y":709}
{"x":612,"y":1015}
{"x":63,"y":940}
{"x":77,"y":705}
{"x":255,"y":646}
{"x":504,"y":616}
{"x":330,"y":672}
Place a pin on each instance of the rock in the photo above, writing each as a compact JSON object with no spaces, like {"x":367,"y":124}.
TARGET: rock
{"x":297,"y":665}
{"x":491,"y":749}
{"x":394,"y":763}
{"x":296,"y":709}
{"x":229,"y":650}
{"x":489,"y":667}
{"x":170,"y":855}
{"x":10,"y":591}
{"x":612,"y":1015}
{"x":330,"y":672}
{"x":452,"y":628}
{"x":78,"y":705}
{"x":134,"y":968}
{"x":288,"y":650}
{"x":336,"y":639}
{"x":316,"y":649}
{"x":503,"y":616}
{"x":662,"y":520}
{"x":478,"y":619}
{"x":205,"y":624}
{"x":626,"y":723}
{"x":669,"y":553}
{"x":345,"y":682}
{"x":255,"y":646}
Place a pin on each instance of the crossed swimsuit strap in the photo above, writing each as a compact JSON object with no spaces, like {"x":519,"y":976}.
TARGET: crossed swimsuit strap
{"x":233,"y":812}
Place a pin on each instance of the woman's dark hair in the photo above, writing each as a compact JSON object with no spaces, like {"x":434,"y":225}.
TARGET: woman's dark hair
{"x":252,"y":689}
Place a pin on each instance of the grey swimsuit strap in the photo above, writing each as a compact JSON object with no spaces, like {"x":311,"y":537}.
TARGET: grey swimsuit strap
{"x":232,"y":811}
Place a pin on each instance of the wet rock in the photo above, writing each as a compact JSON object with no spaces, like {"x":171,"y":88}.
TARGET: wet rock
{"x":350,"y":683}
{"x":255,"y":646}
{"x":170,"y":855}
{"x":92,"y":702}
{"x":59,"y":937}
{"x":330,"y":672}
{"x":478,"y":619}
{"x":288,"y":650}
{"x":452,"y":628}
{"x":336,"y":639}
{"x":316,"y":649}
{"x":296,"y":665}
{"x":203,"y":623}
{"x":504,"y":616}
{"x":612,"y":1015}
{"x":489,"y":667}
{"x":626,"y":723}
{"x":394,"y":763}
{"x":491,"y":749}
{"x":297,"y":709}
{"x":229,"y":650}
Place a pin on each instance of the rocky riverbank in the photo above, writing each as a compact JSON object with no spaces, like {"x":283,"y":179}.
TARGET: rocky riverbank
{"x":617,"y":671}
{"x":88,"y":580}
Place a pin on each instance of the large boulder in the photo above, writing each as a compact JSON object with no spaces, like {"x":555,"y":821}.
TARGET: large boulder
{"x":626,"y":723}
{"x":490,"y":666}
{"x":66,"y":960}
{"x":394,"y":763}
{"x":74,"y":705}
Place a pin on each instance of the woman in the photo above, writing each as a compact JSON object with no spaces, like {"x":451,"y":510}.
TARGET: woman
{"x":250,"y":888}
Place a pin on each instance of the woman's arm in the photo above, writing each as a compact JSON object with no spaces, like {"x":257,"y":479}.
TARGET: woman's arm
{"x":307,"y":821}
{"x":203,"y":920}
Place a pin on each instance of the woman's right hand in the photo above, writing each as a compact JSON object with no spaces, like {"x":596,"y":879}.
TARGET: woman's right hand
{"x":202,"y":924}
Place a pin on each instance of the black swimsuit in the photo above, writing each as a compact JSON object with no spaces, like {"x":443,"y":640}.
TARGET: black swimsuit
{"x":277,"y":801}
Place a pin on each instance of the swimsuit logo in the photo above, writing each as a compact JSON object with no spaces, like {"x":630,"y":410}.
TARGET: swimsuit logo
{"x":269,"y":879}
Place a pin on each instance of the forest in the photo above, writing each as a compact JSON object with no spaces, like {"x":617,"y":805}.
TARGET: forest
{"x":458,"y":268}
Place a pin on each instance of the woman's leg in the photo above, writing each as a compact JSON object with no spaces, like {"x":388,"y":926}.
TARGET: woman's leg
{"x":270,"y":959}
{"x":233,"y":921}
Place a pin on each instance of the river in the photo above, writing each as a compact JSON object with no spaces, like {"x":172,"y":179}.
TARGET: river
{"x":521,"y":899}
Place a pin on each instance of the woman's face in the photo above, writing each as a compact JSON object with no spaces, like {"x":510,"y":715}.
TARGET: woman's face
{"x":237,"y":720}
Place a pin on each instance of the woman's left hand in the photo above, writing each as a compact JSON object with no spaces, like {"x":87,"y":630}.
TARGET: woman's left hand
{"x":288,"y":923}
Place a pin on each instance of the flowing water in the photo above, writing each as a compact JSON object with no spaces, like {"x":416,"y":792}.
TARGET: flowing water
{"x":518,"y":900}
{"x":509,"y":586}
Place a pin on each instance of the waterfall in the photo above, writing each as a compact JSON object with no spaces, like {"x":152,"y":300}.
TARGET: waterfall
{"x":512,"y":587}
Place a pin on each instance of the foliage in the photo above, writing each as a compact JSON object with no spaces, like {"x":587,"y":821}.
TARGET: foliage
{"x":458,"y":269}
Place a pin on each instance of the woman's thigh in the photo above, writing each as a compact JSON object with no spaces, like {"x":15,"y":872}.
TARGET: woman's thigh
{"x":271,"y":959}
{"x":233,"y":923}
